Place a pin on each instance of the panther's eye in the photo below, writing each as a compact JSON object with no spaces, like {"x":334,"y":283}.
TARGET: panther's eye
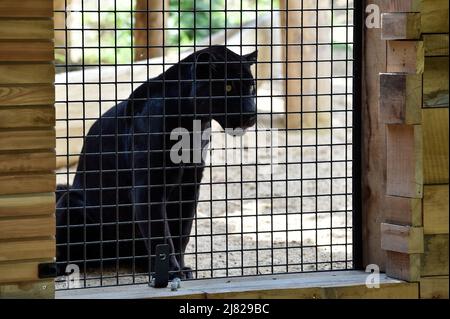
{"x":229,"y":88}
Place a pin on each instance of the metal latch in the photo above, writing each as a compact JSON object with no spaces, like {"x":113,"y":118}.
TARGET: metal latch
{"x":161,"y":278}
{"x":47,"y":270}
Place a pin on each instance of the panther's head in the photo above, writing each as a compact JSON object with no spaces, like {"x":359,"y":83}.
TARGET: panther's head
{"x":224,"y":87}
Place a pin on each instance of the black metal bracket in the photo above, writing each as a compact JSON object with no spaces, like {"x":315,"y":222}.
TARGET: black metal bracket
{"x":161,"y":279}
{"x":47,"y":270}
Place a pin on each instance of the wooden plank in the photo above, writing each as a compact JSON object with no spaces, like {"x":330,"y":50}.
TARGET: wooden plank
{"x":18,"y":205}
{"x":401,"y":238}
{"x":400,"y":98}
{"x":27,"y":162}
{"x":18,"y":272}
{"x":27,"y":73}
{"x":435,"y":209}
{"x":14,"y":117}
{"x":404,"y":6}
{"x":27,"y":95}
{"x":434,"y":287}
{"x":435,"y":44}
{"x":342,"y":284}
{"x":400,"y":26}
{"x":403,"y":210}
{"x":27,"y":183}
{"x":373,"y":157}
{"x":27,"y":139}
{"x":43,"y":226}
{"x":26,"y":8}
{"x":435,"y":16}
{"x":405,"y":56}
{"x":29,"y":290}
{"x":30,"y":29}
{"x":403,"y":266}
{"x":24,"y":51}
{"x":435,"y":145}
{"x":435,"y":257}
{"x":27,"y":249}
{"x":404,"y":176}
{"x":435,"y":81}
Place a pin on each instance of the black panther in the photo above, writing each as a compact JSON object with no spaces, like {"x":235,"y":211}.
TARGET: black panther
{"x":128,"y":195}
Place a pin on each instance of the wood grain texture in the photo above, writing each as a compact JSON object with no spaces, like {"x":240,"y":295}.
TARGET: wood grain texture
{"x":435,"y":256}
{"x":401,"y":238}
{"x":435,"y":145}
{"x":400,"y":98}
{"x":27,"y":161}
{"x":403,"y":210}
{"x":27,"y":183}
{"x":27,"y":139}
{"x":435,"y":16}
{"x":400,"y":26}
{"x":404,"y":175}
{"x":19,"y":205}
{"x":18,"y":272}
{"x":27,"y":95}
{"x":27,"y":249}
{"x":405,"y":56}
{"x":403,"y":266}
{"x":15,"y":117}
{"x":42,"y":226}
{"x":435,"y":82}
{"x":26,"y":29}
{"x":373,"y":161}
{"x":434,"y":287}
{"x":435,"y":209}
{"x":26,"y":51}
{"x":26,"y":8}
{"x":28,"y":290}
{"x":436,"y":44}
{"x":27,"y":73}
{"x":403,"y":6}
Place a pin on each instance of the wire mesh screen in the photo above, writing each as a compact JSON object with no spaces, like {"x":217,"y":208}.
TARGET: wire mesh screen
{"x":222,"y":129}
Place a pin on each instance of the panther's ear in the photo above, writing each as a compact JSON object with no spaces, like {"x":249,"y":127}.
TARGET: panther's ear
{"x":251,"y":57}
{"x":204,"y":64}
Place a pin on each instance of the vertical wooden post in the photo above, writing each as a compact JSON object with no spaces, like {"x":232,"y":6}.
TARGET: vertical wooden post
{"x":149,"y":24}
{"x":295,"y":53}
{"x":27,"y":147}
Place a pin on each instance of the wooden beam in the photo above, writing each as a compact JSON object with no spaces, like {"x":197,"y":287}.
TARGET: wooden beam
{"x":15,"y":117}
{"x":435,"y":209}
{"x":27,"y":249}
{"x":402,"y":239}
{"x":27,"y":73}
{"x":27,"y":95}
{"x":29,"y":51}
{"x":435,"y":82}
{"x":400,"y":26}
{"x":404,"y":175}
{"x":27,"y":162}
{"x":435,"y":16}
{"x":435,"y":257}
{"x":403,"y":6}
{"x":403,"y":210}
{"x":405,"y":56}
{"x":434,"y":287}
{"x":400,"y":98}
{"x":26,"y":29}
{"x":19,"y":205}
{"x":27,"y":183}
{"x":43,"y":226}
{"x":403,"y":266}
{"x":29,"y":290}
{"x":150,"y":23}
{"x":435,"y":44}
{"x":27,"y":139}
{"x":435,"y":145}
{"x":26,"y":9}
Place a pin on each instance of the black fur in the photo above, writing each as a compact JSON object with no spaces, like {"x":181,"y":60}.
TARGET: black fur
{"x":125,"y":173}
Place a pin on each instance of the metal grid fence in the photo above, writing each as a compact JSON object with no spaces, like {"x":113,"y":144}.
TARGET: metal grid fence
{"x":277,"y":199}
